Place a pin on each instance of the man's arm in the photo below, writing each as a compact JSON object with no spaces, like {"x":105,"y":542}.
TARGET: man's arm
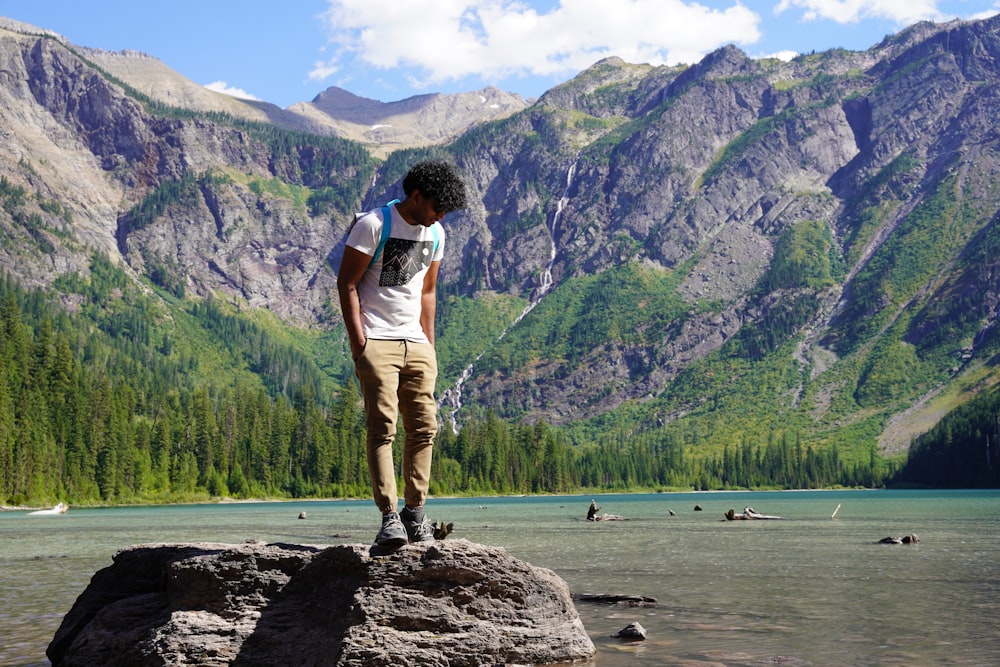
{"x":428,"y":301}
{"x":352,"y":269}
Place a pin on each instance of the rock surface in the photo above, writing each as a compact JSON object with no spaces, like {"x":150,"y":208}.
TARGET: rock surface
{"x":451,"y":603}
{"x":632,"y":632}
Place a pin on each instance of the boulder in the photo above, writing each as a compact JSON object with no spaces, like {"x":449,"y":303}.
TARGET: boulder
{"x":454,"y":603}
{"x":633,"y":632}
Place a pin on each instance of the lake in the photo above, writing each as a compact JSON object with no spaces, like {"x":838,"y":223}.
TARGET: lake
{"x":810,"y":590}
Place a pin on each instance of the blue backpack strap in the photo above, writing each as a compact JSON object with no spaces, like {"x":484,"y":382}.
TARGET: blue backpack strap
{"x":386,"y":225}
{"x":434,"y":231}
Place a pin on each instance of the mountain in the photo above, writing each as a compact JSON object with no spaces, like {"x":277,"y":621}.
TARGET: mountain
{"x":422,"y":120}
{"x":717,"y":254}
{"x":817,"y":236}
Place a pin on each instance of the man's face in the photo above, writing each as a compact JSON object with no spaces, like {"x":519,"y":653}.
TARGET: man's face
{"x":426,"y":210}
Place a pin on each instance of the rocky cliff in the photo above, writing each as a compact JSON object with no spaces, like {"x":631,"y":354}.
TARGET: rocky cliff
{"x":706,"y":175}
{"x":452,"y":603}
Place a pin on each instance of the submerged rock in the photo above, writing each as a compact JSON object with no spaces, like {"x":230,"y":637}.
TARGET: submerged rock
{"x":454,"y":603}
{"x":633,"y":632}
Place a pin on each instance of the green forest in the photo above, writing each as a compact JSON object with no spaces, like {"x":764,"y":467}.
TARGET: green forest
{"x":962,"y":450}
{"x":130,"y":397}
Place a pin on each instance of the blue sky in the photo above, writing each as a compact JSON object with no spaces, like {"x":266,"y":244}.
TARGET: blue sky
{"x":288,"y":52}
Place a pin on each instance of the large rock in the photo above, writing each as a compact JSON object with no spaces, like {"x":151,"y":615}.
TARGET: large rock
{"x":451,"y":603}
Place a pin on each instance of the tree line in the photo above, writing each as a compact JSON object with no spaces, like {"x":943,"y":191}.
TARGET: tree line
{"x":100,"y":410}
{"x":962,"y":450}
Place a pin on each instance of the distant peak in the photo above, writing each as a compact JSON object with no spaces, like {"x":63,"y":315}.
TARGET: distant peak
{"x":27,"y":29}
{"x":335,"y":97}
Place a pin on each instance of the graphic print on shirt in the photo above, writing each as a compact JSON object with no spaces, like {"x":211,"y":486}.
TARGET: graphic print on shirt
{"x":402,"y":259}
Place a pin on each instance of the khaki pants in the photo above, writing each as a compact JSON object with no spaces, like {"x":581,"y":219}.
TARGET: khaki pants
{"x":396,"y":377}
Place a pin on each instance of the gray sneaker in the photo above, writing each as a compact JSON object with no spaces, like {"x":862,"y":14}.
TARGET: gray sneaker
{"x":392,"y":534}
{"x":419,"y":531}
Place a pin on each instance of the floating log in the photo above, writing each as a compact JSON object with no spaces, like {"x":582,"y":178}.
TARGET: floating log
{"x":750,"y":513}
{"x":616,"y":599}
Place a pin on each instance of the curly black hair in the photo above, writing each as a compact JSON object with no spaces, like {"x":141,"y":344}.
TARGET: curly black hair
{"x":438,"y":180}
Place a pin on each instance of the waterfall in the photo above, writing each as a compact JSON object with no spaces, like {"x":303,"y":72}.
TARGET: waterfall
{"x":453,"y":397}
{"x":369,"y":200}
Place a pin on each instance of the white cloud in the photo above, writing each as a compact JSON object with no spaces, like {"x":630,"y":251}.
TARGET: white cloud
{"x":785,"y":55}
{"x":989,"y":13}
{"x":442,"y":40}
{"x":902,"y":12}
{"x":323,"y":69}
{"x":226,"y":89}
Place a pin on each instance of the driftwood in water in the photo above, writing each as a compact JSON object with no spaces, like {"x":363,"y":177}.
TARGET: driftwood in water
{"x":750,"y":513}
{"x":442,"y":531}
{"x":619,"y":600}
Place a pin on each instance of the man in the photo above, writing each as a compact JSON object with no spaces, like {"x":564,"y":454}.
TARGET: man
{"x":388,"y":298}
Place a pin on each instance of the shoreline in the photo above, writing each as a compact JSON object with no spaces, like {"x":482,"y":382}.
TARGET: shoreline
{"x":571,"y":494}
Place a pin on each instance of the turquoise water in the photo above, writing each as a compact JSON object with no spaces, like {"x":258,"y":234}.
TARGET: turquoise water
{"x":811,"y":590}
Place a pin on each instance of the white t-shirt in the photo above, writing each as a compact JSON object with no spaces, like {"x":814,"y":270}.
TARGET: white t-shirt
{"x":390,"y":290}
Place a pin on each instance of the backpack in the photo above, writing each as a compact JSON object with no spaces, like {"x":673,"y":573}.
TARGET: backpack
{"x":387,"y":223}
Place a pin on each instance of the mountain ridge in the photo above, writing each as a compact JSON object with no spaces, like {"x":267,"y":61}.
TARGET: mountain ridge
{"x":418,"y":121}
